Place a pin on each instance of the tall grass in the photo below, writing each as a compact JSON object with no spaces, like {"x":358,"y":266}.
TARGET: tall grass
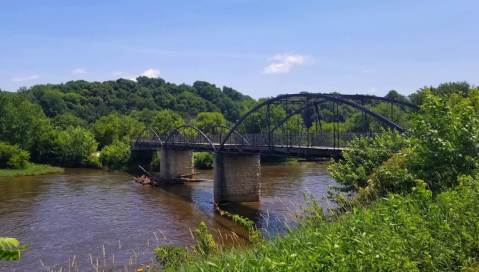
{"x":31,"y":170}
{"x":412,"y":232}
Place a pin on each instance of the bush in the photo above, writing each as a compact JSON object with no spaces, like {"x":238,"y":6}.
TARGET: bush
{"x":75,"y":146}
{"x":117,"y":155}
{"x":204,"y":160}
{"x":13,"y":157}
{"x":446,"y":141}
{"x":414,"y":232}
{"x":155,"y":162}
{"x":364,"y":156}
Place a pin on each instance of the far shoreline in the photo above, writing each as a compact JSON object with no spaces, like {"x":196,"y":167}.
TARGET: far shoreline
{"x":31,"y":170}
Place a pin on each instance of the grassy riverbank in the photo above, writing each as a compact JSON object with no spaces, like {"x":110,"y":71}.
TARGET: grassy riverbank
{"x":399,"y":233}
{"x":31,"y":170}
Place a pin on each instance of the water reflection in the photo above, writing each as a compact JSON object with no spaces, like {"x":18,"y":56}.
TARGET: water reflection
{"x":82,"y":210}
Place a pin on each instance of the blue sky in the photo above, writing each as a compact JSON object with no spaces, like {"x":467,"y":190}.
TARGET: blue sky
{"x":260,"y":48}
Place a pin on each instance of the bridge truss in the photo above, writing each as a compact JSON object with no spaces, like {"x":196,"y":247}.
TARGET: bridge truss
{"x":287,"y":125}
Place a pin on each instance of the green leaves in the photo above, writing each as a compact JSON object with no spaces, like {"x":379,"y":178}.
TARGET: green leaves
{"x":117,"y":155}
{"x":75,"y":147}
{"x":364,"y":156}
{"x":12,"y":156}
{"x":9,"y":249}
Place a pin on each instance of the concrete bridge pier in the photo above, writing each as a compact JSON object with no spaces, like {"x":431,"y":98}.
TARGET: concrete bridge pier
{"x":236,"y":178}
{"x":176,"y":163}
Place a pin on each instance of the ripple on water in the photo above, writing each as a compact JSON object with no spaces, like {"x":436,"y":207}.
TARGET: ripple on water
{"x":80,"y":211}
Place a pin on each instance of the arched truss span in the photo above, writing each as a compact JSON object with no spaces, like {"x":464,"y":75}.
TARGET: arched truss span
{"x":308,"y":105}
{"x":338,"y":98}
{"x":229,"y":129}
{"x":191,"y":139}
{"x":151,"y":139}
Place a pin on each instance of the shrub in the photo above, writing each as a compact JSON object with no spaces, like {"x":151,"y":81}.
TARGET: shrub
{"x":12,"y":156}
{"x":75,"y":146}
{"x":204,"y":160}
{"x":364,"y":156}
{"x":446,"y":142}
{"x":117,"y":155}
{"x":170,"y":256}
{"x":414,"y":232}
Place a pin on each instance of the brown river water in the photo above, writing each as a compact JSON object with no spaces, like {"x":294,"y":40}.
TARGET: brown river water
{"x":66,"y":218}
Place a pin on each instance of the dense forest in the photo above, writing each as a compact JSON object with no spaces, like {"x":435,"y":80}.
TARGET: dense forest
{"x":67,"y":124}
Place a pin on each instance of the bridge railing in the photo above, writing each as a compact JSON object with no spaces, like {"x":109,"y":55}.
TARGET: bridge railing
{"x":301,"y":140}
{"x":257,"y":141}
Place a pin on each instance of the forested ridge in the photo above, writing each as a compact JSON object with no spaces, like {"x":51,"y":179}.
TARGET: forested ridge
{"x":66,"y":124}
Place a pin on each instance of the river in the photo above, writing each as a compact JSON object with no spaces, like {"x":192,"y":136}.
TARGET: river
{"x":74,"y":218}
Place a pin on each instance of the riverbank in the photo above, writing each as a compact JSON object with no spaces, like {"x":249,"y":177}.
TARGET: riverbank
{"x":31,"y":170}
{"x":399,"y":233}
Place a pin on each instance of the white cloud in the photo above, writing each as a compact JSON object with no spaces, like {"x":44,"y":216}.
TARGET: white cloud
{"x":117,"y":73}
{"x":79,"y":71}
{"x":25,"y":78}
{"x":151,"y":73}
{"x":282,"y":63}
{"x":369,"y":71}
{"x":372,"y":90}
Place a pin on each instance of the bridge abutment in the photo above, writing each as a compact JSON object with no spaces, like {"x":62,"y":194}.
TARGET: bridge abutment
{"x":236,"y":178}
{"x":176,"y":163}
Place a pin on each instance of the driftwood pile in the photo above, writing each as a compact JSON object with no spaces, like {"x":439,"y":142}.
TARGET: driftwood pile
{"x":156,"y":181}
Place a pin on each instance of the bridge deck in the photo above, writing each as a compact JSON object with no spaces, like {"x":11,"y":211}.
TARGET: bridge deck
{"x":274,"y":150}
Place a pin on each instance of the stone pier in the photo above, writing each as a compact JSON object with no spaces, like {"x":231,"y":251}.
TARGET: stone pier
{"x":176,"y":163}
{"x":236,"y":178}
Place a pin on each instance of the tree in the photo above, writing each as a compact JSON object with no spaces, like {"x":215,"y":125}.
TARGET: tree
{"x":65,"y":120}
{"x":208,"y":119}
{"x":20,"y":120}
{"x":165,"y":121}
{"x":117,"y":155}
{"x":53,"y":104}
{"x":130,"y":127}
{"x":75,"y":146}
{"x":106,"y":130}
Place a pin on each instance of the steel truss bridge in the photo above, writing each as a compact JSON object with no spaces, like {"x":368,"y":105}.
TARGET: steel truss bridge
{"x":297,"y":133}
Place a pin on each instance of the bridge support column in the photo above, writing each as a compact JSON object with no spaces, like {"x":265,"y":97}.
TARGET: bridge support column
{"x":176,"y":163}
{"x":236,"y":178}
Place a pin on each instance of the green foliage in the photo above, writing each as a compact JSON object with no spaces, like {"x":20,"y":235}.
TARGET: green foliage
{"x":65,"y":120}
{"x":155,"y":162}
{"x":443,"y":90}
{"x":52,"y":103}
{"x":31,"y":170}
{"x":208,"y":119}
{"x":117,"y":155}
{"x":205,"y":244}
{"x":165,"y":121}
{"x":13,"y":157}
{"x":365,"y":155}
{"x":111,"y":128}
{"x":20,"y":120}
{"x":447,"y":142}
{"x":106,"y":130}
{"x":9,"y":249}
{"x":203,"y":160}
{"x":171,"y":256}
{"x":269,"y":160}
{"x":92,"y":100}
{"x":255,"y":235}
{"x":75,"y":147}
{"x":415,"y":232}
